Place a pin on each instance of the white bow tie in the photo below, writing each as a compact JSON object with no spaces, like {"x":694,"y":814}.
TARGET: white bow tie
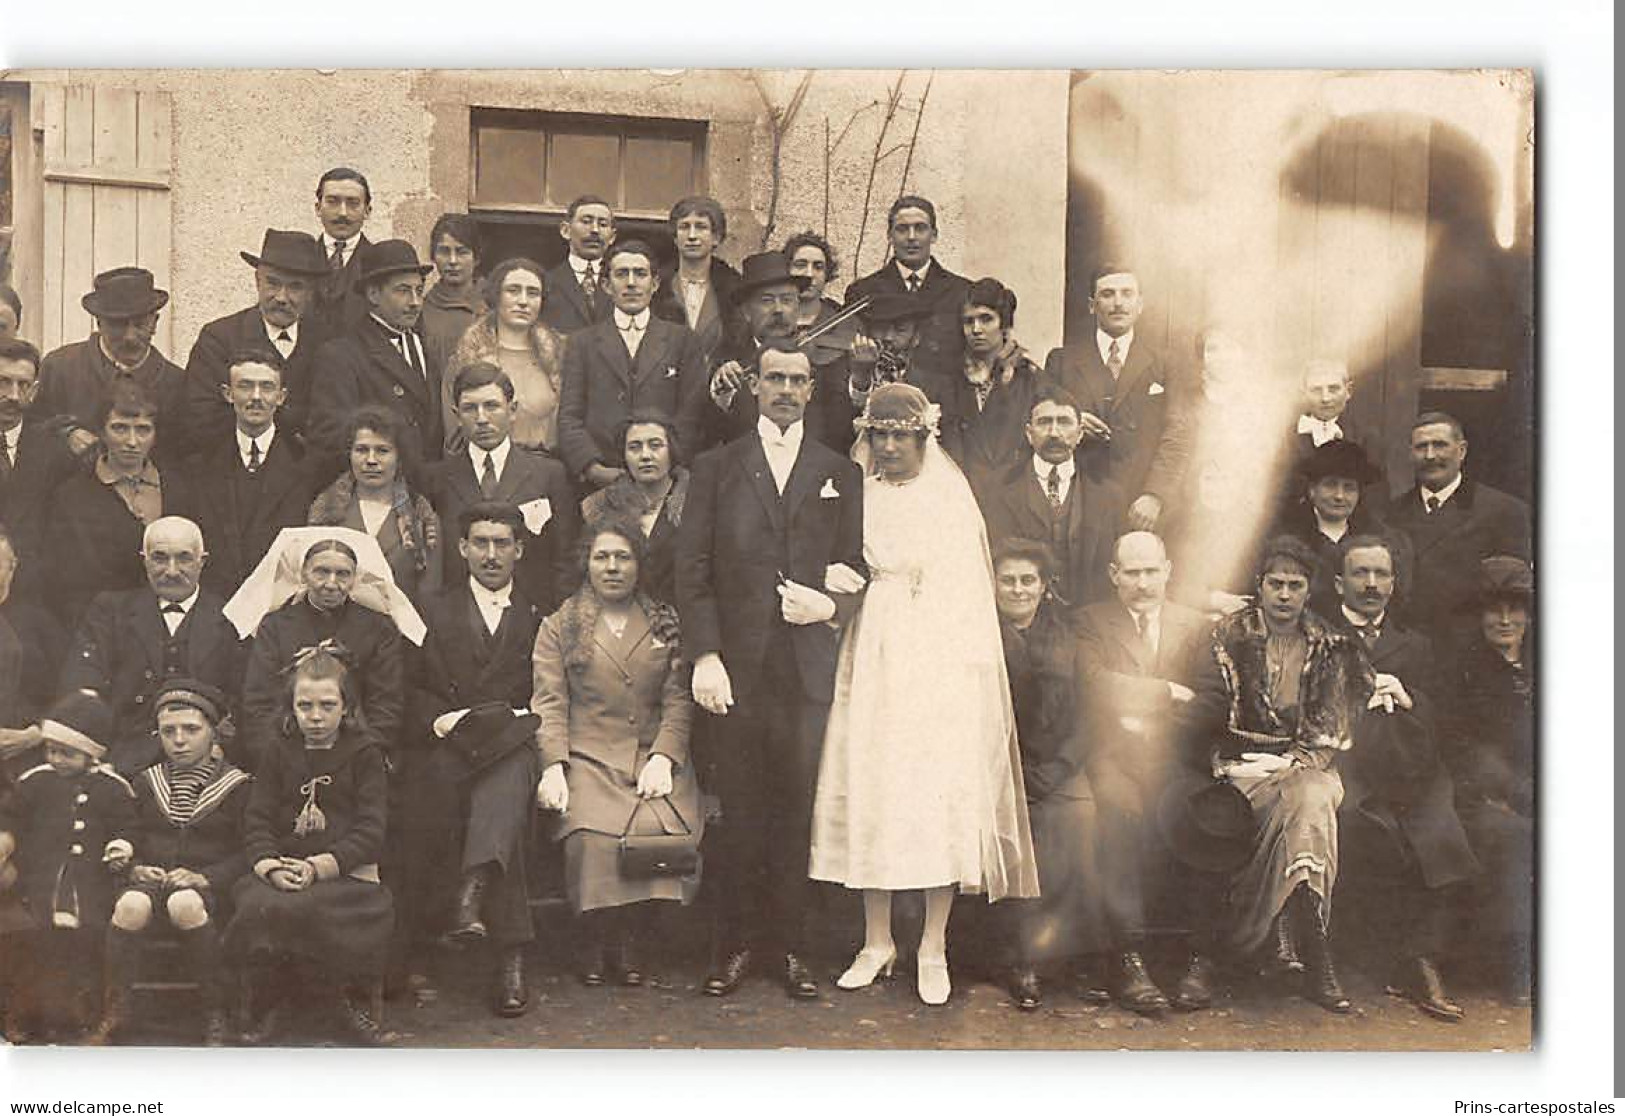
{"x":1320,"y":431}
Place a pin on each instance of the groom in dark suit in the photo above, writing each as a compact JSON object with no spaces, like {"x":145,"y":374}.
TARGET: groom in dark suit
{"x":767,"y":515}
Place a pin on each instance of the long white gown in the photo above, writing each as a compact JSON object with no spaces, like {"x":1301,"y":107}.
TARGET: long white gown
{"x":920,"y":784}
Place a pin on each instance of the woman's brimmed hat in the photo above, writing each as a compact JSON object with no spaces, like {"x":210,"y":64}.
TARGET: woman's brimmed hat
{"x":898,"y":407}
{"x":1339,"y":458}
{"x":80,"y":721}
{"x":1503,"y":578}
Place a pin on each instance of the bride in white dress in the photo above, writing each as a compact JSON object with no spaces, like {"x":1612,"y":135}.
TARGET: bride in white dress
{"x":920,"y":784}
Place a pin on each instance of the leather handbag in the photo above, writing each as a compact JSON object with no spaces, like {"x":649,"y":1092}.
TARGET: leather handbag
{"x":656,"y":855}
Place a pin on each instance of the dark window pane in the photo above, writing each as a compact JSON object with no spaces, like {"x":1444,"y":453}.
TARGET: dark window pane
{"x":509,"y":167}
{"x":583,"y":165}
{"x":658,"y":172}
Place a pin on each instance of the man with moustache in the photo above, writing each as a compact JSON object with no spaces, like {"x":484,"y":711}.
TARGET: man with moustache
{"x":287,"y":276}
{"x":1405,"y":847}
{"x":911,"y":225}
{"x":382,"y":360}
{"x":491,"y":467}
{"x":130,"y":642}
{"x":245,"y":487}
{"x":769,"y":296}
{"x":768,"y":517}
{"x":1453,"y":523}
{"x":629,"y":361}
{"x":1051,"y":499}
{"x":1138,"y":657}
{"x":343,"y":204}
{"x":34,"y":458}
{"x":75,"y":377}
{"x":470,"y":778}
{"x":1130,"y":427}
{"x":575,"y":293}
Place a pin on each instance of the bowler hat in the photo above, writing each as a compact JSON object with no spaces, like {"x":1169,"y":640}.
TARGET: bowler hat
{"x":79,"y":720}
{"x":124,"y":292}
{"x":386,"y":258}
{"x":765,"y":269}
{"x":296,"y":252}
{"x":891,"y":307}
{"x":1339,"y":458}
{"x":1210,"y":827}
{"x":1502,"y":577}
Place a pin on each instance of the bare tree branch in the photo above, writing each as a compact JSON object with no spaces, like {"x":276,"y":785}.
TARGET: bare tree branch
{"x":894,"y":97}
{"x":778,"y":123}
{"x":919,"y":114}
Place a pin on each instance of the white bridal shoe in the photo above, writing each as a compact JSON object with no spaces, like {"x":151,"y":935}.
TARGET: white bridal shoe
{"x":865,"y":967}
{"x":932,"y":974}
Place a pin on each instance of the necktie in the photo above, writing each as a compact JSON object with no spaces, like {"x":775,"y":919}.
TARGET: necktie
{"x":589,"y":287}
{"x":1432,"y":503}
{"x":1052,"y":486}
{"x":284,"y":343}
{"x":488,"y":478}
{"x":336,"y":260}
{"x":254,"y":457}
{"x":913,"y":282}
{"x":409,"y":351}
{"x":1114,"y":359}
{"x":6,"y":462}
{"x":1142,"y":625}
{"x":1369,"y":634}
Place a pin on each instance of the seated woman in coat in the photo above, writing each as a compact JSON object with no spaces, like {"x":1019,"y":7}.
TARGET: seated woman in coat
{"x":376,"y":494}
{"x":313,"y":834}
{"x":1282,"y":692}
{"x":650,"y":493}
{"x":1041,"y":656}
{"x":613,"y":697}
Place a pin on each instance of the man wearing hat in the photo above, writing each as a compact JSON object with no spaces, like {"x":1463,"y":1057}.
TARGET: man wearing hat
{"x":630,"y":361}
{"x":1138,"y":656}
{"x":381,"y":360}
{"x":893,"y":349}
{"x":911,"y":227}
{"x":1329,"y":482}
{"x":75,"y":377}
{"x":180,"y":856}
{"x":53,"y":830}
{"x":129,"y":642}
{"x":471,"y":776}
{"x":1405,"y":849}
{"x":767,"y":297}
{"x":287,"y":275}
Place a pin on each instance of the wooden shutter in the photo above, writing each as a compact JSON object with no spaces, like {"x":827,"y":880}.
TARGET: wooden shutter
{"x":107,"y":197}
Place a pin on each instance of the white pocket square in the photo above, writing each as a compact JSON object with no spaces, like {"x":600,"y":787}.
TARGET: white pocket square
{"x":536,"y":512}
{"x":828,"y":491}
{"x":671,"y":371}
{"x":1154,"y":389}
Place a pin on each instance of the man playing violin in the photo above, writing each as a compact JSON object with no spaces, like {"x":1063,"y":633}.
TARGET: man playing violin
{"x":769,"y":298}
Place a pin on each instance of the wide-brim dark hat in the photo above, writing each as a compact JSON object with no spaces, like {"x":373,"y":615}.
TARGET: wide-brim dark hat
{"x":893,"y":307}
{"x":1339,"y":458}
{"x":389,"y":257}
{"x":765,"y":269}
{"x":291,"y":251}
{"x":488,"y":732}
{"x":1209,"y":825}
{"x":1502,"y":577}
{"x":124,"y":292}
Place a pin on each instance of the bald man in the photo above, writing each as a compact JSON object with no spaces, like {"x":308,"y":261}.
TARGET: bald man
{"x":130,"y":642}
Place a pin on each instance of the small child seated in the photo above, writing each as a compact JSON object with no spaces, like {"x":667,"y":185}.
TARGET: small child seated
{"x":183,"y":853}
{"x":52,"y":831}
{"x":313,"y":835}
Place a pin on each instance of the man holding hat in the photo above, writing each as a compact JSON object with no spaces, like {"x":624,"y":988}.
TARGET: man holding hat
{"x":767,"y":297}
{"x":382,"y":359}
{"x":1404,"y":846}
{"x":287,"y":276}
{"x":73,"y":378}
{"x":180,"y":855}
{"x":628,"y":362}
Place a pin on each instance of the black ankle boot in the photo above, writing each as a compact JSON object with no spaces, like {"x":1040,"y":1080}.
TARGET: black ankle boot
{"x":1320,"y":983}
{"x":119,"y":973}
{"x":466,"y":923}
{"x":202,"y":947}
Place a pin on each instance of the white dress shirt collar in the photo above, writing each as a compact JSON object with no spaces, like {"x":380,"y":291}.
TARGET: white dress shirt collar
{"x":773,"y":436}
{"x":263,"y":439}
{"x":499,"y":457}
{"x":625,"y":322}
{"x":273,"y":332}
{"x":1444,"y":494}
{"x":328,"y":244}
{"x":1358,"y":621}
{"x":905,"y":271}
{"x":491,"y":602}
{"x":1103,"y":341}
{"x":579,"y":265}
{"x":173,"y":620}
{"x":1320,"y":431}
{"x":1041,"y":468}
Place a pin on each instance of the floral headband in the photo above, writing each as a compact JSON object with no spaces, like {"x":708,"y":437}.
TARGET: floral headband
{"x":922,"y":417}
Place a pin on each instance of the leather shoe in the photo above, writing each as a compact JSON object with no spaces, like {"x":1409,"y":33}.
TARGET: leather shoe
{"x":1135,"y":988}
{"x":1090,"y":986}
{"x":798,"y":979}
{"x":1422,"y":985}
{"x":1284,"y":953}
{"x":1024,"y":990}
{"x":512,"y":996}
{"x":628,"y":969}
{"x":729,"y":974}
{"x":467,"y":926}
{"x":1195,"y":990}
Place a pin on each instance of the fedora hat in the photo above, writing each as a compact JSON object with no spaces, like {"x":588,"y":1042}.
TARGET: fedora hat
{"x":1339,"y":458}
{"x":1210,"y":826}
{"x":386,"y":258}
{"x":486,"y":733}
{"x":124,"y":292}
{"x":893,"y":307}
{"x":765,"y":269}
{"x":296,"y":252}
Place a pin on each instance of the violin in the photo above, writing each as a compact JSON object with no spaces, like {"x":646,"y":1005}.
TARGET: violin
{"x":827,"y":341}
